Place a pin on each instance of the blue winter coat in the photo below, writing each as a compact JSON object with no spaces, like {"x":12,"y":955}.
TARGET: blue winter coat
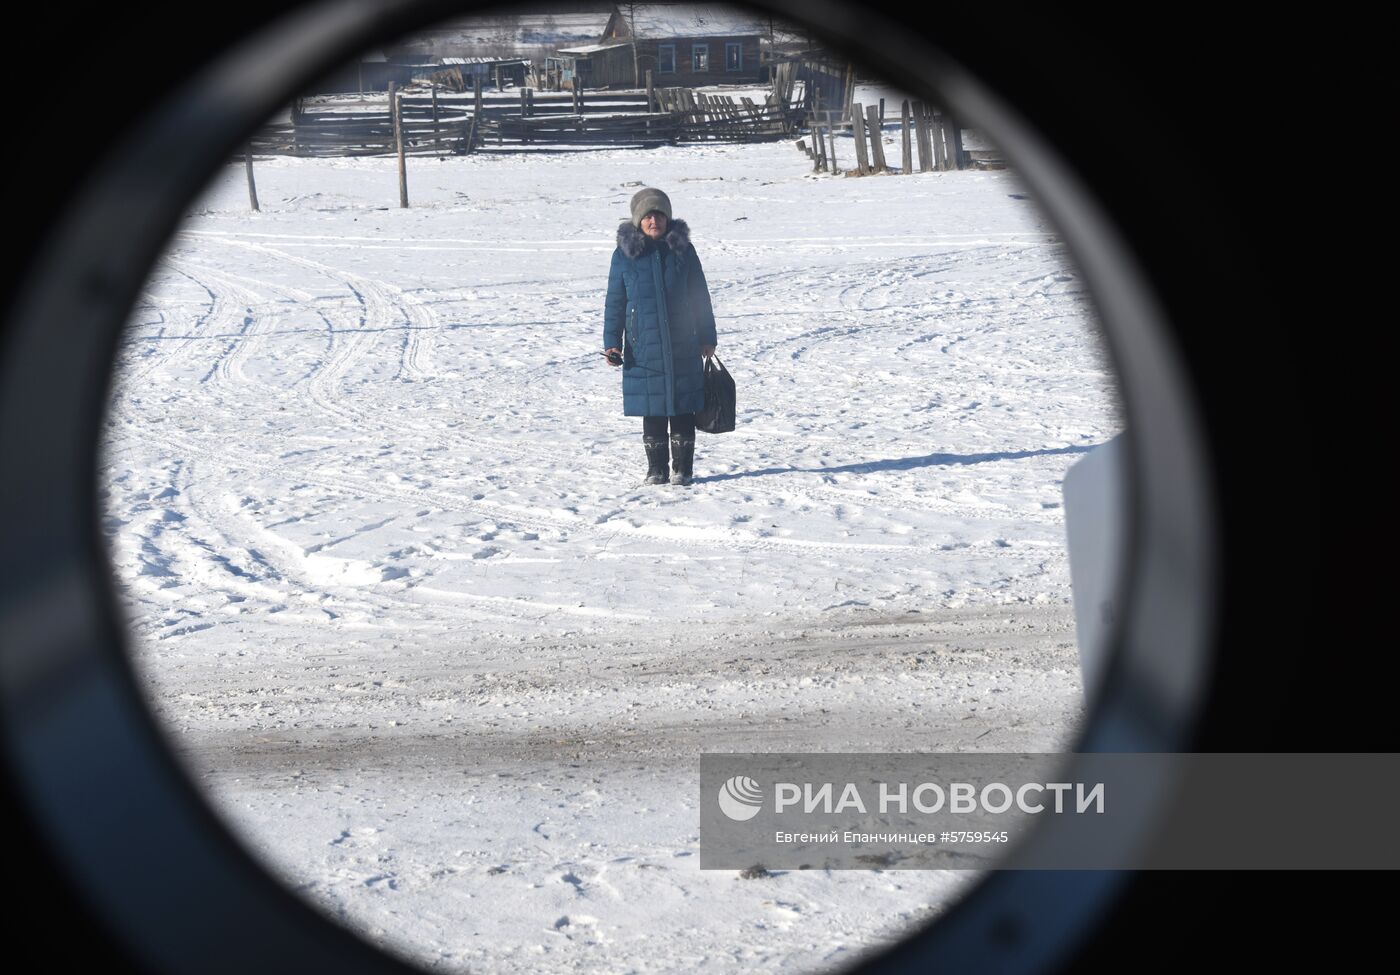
{"x":662,"y":372}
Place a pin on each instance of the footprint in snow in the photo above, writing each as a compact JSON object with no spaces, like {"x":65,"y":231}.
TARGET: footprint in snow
{"x":567,"y":920}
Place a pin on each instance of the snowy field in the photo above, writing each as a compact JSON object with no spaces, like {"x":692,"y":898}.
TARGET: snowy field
{"x":443,"y":661}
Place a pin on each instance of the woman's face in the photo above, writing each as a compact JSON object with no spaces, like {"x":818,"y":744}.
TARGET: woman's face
{"x":654,"y":224}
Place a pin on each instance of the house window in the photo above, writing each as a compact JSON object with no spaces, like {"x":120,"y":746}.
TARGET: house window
{"x":734,"y":57}
{"x":699,"y":57}
{"x":666,"y":59}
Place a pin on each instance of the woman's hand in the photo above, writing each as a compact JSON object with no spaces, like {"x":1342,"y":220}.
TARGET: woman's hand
{"x":707,"y":350}
{"x":614,"y":356}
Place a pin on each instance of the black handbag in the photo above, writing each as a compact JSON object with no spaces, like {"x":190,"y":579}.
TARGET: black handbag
{"x":718,"y":414}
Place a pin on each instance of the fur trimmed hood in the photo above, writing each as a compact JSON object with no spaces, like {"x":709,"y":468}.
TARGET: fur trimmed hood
{"x":633,"y":243}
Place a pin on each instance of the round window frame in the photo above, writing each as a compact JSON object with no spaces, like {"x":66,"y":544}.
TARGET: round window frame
{"x":76,"y":728}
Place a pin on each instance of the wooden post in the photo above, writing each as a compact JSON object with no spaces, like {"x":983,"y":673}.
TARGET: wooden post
{"x":296,"y":125}
{"x":906,"y":161}
{"x":252,"y":187}
{"x":955,"y":143}
{"x":914,"y":135}
{"x":925,"y":148}
{"x":877,"y":140}
{"x":822,"y":164}
{"x":476,"y":112}
{"x":858,"y":130}
{"x":578,"y":101}
{"x":917,"y":137}
{"x":437,"y":132}
{"x":931,"y":133}
{"x":397,"y":114}
{"x":393,"y":87}
{"x":882,"y":113}
{"x":940,"y":155}
{"x":651,"y":97}
{"x":831,"y":156}
{"x":691,"y":118}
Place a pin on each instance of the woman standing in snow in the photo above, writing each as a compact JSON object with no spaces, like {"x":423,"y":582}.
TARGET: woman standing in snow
{"x":657,"y":324}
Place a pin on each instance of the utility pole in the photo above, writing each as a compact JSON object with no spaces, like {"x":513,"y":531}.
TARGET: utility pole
{"x":632,"y":29}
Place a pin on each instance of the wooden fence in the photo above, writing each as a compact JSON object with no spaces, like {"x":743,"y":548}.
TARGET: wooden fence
{"x":528,"y":119}
{"x":825,"y":84}
{"x":714,"y":117}
{"x":934,"y":137}
{"x":534,"y":120}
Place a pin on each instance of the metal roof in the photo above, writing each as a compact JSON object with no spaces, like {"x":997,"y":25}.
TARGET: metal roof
{"x":651,"y":20}
{"x":593,"y":48}
{"x":509,"y":30}
{"x":484,"y":60}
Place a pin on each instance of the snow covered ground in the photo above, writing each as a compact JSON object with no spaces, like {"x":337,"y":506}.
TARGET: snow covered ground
{"x":445,"y":663}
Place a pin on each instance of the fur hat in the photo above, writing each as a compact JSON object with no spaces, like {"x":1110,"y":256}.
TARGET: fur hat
{"x":646,"y":200}
{"x":633,"y":243}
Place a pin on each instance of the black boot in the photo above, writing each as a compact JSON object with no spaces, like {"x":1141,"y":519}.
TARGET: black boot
{"x":682,"y":456}
{"x":656,"y":460}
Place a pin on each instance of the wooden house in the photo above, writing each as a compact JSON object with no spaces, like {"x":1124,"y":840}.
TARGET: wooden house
{"x":507,"y":33}
{"x":489,"y":72}
{"x":687,"y":45}
{"x":608,"y":65}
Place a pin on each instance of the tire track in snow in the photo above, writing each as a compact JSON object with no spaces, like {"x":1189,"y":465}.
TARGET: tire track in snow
{"x":415,"y":363}
{"x":218,"y":314}
{"x":384,"y":306}
{"x":226,"y":550}
{"x":514,"y":450}
{"x":381,"y":303}
{"x":227,"y":367}
{"x":606,"y":526}
{"x":350,"y":342}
